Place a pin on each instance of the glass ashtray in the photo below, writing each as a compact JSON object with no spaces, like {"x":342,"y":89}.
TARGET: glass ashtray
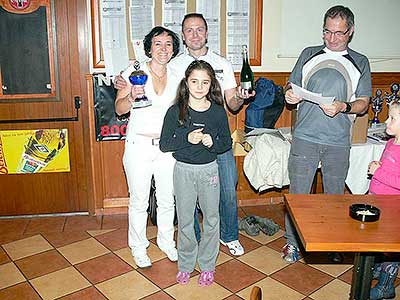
{"x":364,"y":212}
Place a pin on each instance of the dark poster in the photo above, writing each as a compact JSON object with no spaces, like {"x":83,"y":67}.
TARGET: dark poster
{"x":108,"y":125}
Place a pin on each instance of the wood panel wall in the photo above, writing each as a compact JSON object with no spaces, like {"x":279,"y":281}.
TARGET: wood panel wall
{"x":110,"y":189}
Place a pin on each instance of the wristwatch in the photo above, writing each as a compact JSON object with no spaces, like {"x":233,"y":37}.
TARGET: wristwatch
{"x":348,"y":107}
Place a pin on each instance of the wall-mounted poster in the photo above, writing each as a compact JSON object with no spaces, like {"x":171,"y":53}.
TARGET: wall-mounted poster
{"x":34,"y":151}
{"x":108,"y":125}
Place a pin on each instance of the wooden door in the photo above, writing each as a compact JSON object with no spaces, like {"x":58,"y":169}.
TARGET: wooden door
{"x":55,"y":192}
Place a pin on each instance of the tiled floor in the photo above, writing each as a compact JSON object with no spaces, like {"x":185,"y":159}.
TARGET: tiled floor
{"x":82,"y":257}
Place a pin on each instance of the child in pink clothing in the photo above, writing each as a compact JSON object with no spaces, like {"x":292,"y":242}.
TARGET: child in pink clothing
{"x":386,"y":181}
{"x":386,"y":172}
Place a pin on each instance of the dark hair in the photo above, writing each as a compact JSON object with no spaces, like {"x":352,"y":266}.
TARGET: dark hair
{"x":182,"y":96}
{"x":340,"y":11}
{"x":194,"y":15}
{"x":156,"y":31}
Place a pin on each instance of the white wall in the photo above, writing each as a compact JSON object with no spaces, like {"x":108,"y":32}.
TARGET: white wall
{"x":272,"y":28}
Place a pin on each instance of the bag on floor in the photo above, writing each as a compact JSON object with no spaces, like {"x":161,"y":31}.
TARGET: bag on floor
{"x":152,"y":209}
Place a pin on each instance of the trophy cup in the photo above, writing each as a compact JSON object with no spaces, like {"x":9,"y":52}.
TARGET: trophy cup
{"x":394,"y":88}
{"x":377,"y":103}
{"x":139,"y":77}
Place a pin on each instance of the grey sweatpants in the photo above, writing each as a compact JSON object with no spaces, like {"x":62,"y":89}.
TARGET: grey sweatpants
{"x":194,"y":183}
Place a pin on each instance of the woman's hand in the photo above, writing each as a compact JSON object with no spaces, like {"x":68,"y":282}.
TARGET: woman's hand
{"x":136,"y":92}
{"x":119,"y":82}
{"x":373,"y":166}
{"x":195,"y":136}
{"x":207,"y":140}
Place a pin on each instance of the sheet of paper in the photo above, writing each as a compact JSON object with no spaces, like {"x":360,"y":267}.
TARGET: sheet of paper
{"x":141,"y":19}
{"x":310,"y":96}
{"x":173,"y":12}
{"x":211,"y":12}
{"x":237,"y":30}
{"x":114,"y":41}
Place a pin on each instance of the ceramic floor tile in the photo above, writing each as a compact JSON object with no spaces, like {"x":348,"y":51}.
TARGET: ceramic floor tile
{"x":48,"y":224}
{"x":335,"y":290}
{"x":162,"y":273}
{"x":17,"y":226}
{"x":302,"y":278}
{"x":115,"y":221}
{"x":19,"y":292}
{"x":273,"y":290}
{"x":158,"y":296}
{"x":121,"y":287}
{"x":41,"y":264}
{"x":10,"y":275}
{"x":235,"y":275}
{"x":103,"y":268}
{"x":193,"y":291}
{"x":234,"y":297}
{"x":114,"y":240}
{"x":126,"y":255}
{"x":277,"y":244}
{"x":264,"y":260}
{"x":263,"y":238}
{"x":347,"y":276}
{"x":26,"y":247}
{"x":80,"y":223}
{"x":11,"y":236}
{"x":321,"y":262}
{"x":59,"y":239}
{"x":99,"y":232}
{"x":151,"y":232}
{"x":84,"y":250}
{"x":222,"y":257}
{"x":3,"y":256}
{"x":59,"y":283}
{"x":86,"y":294}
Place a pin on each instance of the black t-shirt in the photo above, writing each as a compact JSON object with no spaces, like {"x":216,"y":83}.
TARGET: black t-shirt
{"x":175,"y":137}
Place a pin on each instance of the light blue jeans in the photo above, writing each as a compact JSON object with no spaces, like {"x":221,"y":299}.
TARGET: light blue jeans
{"x":228,"y":177}
{"x":303,"y":163}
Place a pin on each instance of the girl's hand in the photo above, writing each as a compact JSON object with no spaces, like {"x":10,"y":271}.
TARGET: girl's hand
{"x":207,"y":140}
{"x":195,"y":136}
{"x":373,"y":166}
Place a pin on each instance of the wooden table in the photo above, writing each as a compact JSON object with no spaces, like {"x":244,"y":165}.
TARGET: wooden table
{"x":323,"y":224}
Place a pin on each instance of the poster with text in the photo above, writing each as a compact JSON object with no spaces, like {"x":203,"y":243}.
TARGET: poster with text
{"x":34,"y":151}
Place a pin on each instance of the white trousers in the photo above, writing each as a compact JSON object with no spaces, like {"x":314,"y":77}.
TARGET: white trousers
{"x":141,"y":160}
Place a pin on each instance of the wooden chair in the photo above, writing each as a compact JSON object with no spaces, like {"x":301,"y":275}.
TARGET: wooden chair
{"x":256,"y":293}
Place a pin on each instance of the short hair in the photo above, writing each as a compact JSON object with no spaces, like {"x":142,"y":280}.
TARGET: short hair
{"x":194,"y":15}
{"x":340,"y":11}
{"x":156,"y":31}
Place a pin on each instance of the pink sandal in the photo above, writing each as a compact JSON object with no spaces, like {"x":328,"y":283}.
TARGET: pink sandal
{"x":206,"y":278}
{"x":182,"y":277}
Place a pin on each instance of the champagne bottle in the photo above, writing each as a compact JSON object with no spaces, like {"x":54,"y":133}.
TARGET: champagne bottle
{"x":246,"y":74}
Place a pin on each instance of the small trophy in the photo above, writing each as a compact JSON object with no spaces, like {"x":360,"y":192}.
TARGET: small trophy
{"x":377,"y":103}
{"x":394,"y":88}
{"x":139,"y":77}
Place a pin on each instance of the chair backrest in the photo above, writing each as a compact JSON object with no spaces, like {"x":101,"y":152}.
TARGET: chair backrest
{"x":256,"y":293}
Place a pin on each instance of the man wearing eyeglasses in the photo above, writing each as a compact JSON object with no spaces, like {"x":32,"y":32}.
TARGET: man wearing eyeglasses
{"x":322,"y":132}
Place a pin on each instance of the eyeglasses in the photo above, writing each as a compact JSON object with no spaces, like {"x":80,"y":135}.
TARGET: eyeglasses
{"x":336,"y":33}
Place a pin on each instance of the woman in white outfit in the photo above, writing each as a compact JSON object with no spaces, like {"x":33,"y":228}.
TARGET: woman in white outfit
{"x":142,"y":156}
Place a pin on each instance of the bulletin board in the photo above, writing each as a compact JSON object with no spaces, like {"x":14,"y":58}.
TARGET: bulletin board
{"x":255,"y":30}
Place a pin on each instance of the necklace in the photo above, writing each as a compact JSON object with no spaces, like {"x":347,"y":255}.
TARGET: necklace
{"x":160,"y":78}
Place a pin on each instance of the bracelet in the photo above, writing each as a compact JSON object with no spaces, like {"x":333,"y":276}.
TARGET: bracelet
{"x":348,"y":107}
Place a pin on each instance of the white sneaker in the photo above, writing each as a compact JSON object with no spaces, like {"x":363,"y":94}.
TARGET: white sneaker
{"x":142,"y":261}
{"x":235,"y":248}
{"x":171,"y":253}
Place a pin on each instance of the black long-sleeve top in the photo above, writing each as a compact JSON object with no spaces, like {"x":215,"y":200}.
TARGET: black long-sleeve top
{"x":174,"y":138}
